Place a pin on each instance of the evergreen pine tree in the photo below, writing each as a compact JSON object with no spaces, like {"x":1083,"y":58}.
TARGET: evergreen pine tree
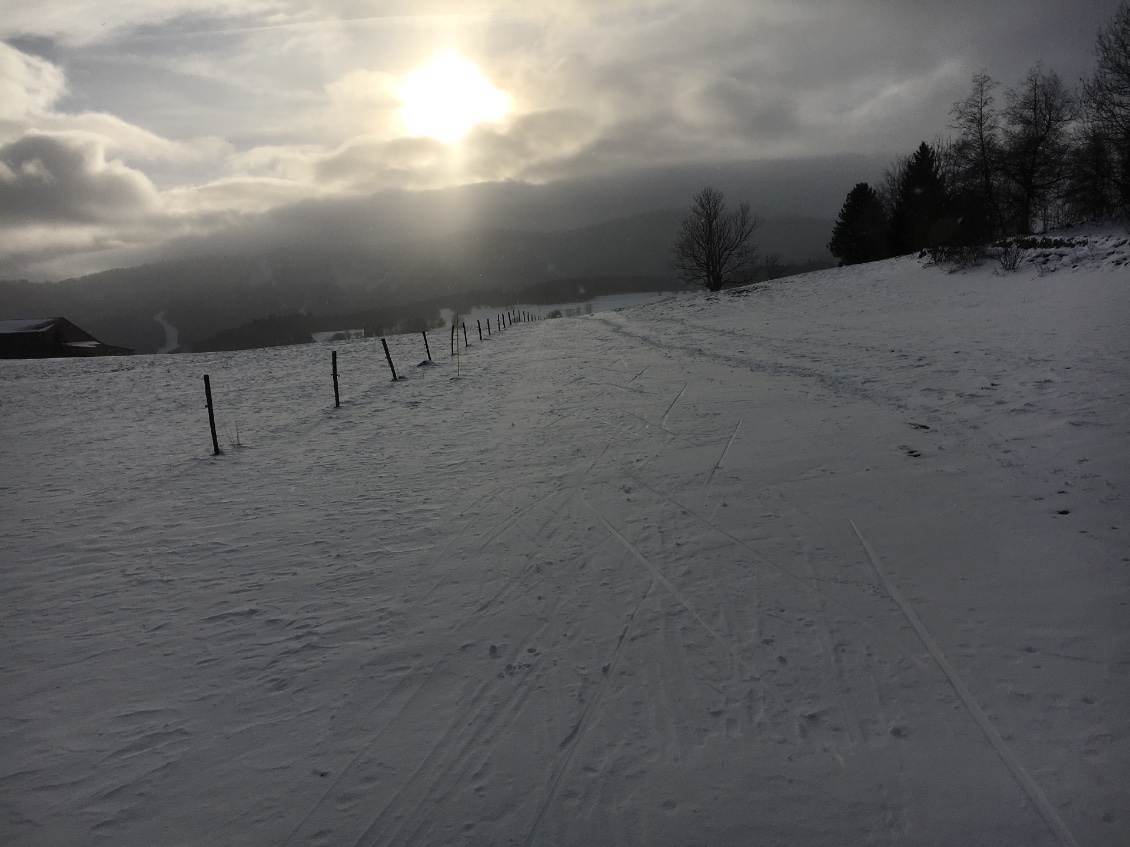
{"x":918,"y":219}
{"x":860,"y":233}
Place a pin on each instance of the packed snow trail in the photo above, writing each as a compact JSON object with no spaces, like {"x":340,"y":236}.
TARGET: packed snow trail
{"x":507,"y":608}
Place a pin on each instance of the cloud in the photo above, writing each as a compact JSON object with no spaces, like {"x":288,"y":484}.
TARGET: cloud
{"x":220,"y":201}
{"x":368,"y":164}
{"x":66,"y":178}
{"x":364,"y":102}
{"x":186,"y":117}
{"x":132,"y":142}
{"x":29,"y":85}
{"x":519,"y":148}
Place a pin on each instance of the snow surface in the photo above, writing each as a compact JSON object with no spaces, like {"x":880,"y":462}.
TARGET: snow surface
{"x":603,"y":303}
{"x":838,"y":560}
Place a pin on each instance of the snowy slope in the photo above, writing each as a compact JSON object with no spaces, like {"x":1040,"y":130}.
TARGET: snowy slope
{"x":609,"y":585}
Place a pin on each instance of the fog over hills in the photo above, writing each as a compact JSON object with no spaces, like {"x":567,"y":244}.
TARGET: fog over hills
{"x":203,"y":294}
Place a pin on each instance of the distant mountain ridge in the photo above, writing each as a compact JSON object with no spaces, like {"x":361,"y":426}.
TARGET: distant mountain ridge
{"x":202,"y":296}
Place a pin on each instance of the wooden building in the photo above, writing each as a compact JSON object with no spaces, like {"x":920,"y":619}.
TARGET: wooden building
{"x":46,"y":338}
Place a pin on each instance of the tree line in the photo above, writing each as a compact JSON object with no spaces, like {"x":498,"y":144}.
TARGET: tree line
{"x":1043,"y":155}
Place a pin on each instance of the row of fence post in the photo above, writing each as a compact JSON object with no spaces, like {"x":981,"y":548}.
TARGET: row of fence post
{"x":502,"y":319}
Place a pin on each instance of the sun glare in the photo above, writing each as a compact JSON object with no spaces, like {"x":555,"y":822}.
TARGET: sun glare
{"x":447,"y":96}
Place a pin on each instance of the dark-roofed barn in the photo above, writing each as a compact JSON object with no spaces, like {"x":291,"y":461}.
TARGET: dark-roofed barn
{"x":45,"y":338}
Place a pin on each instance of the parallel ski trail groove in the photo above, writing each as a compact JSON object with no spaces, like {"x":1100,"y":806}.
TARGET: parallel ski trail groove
{"x":663,"y":420}
{"x":664,"y":429}
{"x":364,"y":749}
{"x":725,"y":450}
{"x":437,"y":752}
{"x":578,"y":731}
{"x":492,"y":534}
{"x":761,"y":557}
{"x":678,"y":595}
{"x":491,"y":727}
{"x":1029,"y":785}
{"x":637,"y":376}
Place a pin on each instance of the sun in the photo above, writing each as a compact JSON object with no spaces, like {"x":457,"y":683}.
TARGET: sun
{"x":447,"y":96}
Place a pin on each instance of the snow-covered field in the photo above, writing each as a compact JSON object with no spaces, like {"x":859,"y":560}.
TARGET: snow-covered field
{"x":603,"y":303}
{"x":841,"y":560}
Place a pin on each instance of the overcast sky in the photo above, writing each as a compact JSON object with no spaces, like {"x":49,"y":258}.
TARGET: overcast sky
{"x":130,"y":125}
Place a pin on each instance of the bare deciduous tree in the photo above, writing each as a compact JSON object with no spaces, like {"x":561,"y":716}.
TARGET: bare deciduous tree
{"x":1038,"y":120}
{"x":715,"y":247}
{"x":1106,"y":97}
{"x":1108,"y":92}
{"x":976,"y":152}
{"x":888,"y":187}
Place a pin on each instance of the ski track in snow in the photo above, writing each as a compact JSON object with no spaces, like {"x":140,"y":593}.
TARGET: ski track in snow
{"x":601,"y":588}
{"x":1022,"y":775}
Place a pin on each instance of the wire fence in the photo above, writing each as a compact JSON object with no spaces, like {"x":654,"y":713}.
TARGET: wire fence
{"x":502,"y":321}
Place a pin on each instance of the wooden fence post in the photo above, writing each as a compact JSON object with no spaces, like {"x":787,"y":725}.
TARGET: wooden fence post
{"x":211,"y":415}
{"x":388,"y":356}
{"x":453,"y":338}
{"x":337,"y":395}
{"x":466,"y":343}
{"x":426,"y":347}
{"x":480,"y":323}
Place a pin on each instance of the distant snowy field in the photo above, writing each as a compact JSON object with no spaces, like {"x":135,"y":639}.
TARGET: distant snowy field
{"x":839,"y":560}
{"x":604,"y":303}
